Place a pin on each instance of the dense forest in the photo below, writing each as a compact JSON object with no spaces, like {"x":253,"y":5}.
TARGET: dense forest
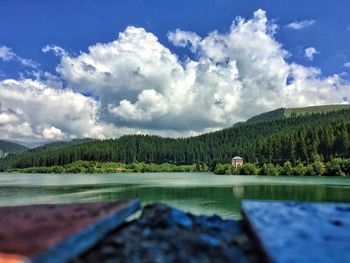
{"x":298,"y":139}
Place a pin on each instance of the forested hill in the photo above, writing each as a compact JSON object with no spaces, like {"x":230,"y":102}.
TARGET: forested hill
{"x":283,"y":113}
{"x":10,"y":148}
{"x":300,"y":138}
{"x":268,"y":116}
{"x":61,"y":144}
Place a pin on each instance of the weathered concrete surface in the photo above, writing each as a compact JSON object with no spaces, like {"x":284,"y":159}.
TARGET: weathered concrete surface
{"x":57,"y":233}
{"x":300,"y":232}
{"x":286,"y":232}
{"x":164,"y":234}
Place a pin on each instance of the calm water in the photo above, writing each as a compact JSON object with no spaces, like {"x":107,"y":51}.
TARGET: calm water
{"x":199,"y":193}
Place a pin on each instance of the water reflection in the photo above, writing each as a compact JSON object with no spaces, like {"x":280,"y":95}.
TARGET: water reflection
{"x":198,"y":199}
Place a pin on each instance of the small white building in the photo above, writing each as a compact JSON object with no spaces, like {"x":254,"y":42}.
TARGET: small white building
{"x":237,"y":161}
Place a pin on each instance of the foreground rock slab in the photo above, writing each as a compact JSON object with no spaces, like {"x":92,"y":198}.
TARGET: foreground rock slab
{"x":300,"y":232}
{"x":164,"y":234}
{"x":57,"y":233}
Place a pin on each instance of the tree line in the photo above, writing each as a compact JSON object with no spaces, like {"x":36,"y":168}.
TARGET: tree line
{"x":334,"y":167}
{"x":299,"y":139}
{"x":112,"y":167}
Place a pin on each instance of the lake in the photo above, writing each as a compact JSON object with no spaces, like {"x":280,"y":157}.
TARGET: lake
{"x":199,"y":193}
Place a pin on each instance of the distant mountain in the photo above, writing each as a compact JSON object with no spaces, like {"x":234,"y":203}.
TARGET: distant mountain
{"x":282,"y":113}
{"x":16,"y":147}
{"x":40,"y":145}
{"x":7,"y":148}
{"x":62,"y":144}
{"x":32,"y":145}
{"x":29,"y":145}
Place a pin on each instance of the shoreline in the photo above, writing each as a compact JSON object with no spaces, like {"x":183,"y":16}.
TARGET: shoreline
{"x":184,"y":172}
{"x":334,"y":167}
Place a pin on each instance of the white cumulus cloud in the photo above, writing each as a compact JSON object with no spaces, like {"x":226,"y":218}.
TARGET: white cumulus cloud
{"x":52,"y":133}
{"x":182,"y":39}
{"x":142,"y":84}
{"x":138,"y":85}
{"x":31,"y":109}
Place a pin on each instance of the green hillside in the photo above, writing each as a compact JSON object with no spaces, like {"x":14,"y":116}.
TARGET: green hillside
{"x":314,"y":109}
{"x":303,"y":138}
{"x":10,"y":148}
{"x":61,"y":144}
{"x":282,"y":113}
{"x":267,"y":116}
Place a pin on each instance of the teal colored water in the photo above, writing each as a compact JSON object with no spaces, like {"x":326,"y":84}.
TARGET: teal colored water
{"x":199,"y":193}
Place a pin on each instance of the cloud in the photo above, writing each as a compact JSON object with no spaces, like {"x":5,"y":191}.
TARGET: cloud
{"x":58,"y":51}
{"x":297,"y":25}
{"x":137,"y":85}
{"x":347,"y":64}
{"x":310,"y":53}
{"x":31,"y":109}
{"x":149,"y":105}
{"x":6,"y":54}
{"x":52,"y":133}
{"x":182,"y":39}
{"x":142,"y":84}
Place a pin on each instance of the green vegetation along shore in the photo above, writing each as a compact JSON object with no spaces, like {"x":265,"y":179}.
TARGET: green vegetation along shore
{"x":335,"y":167}
{"x":112,"y":167}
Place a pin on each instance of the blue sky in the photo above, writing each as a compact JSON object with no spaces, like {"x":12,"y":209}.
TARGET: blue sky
{"x":72,"y":69}
{"x":27,"y":26}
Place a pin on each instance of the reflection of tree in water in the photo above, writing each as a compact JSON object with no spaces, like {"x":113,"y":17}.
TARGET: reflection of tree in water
{"x":199,"y":200}
{"x":226,"y":200}
{"x":238,"y":191}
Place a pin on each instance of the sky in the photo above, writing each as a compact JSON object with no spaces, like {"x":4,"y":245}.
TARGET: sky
{"x":76,"y":69}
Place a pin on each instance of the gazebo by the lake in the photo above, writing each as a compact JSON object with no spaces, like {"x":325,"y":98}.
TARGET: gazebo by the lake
{"x":237,"y":161}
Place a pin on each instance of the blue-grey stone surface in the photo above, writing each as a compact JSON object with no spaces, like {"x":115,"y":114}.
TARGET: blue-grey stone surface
{"x":168,"y":235}
{"x":300,"y":232}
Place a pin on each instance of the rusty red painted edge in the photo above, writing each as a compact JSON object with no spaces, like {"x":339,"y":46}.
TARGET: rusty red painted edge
{"x":59,"y":232}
